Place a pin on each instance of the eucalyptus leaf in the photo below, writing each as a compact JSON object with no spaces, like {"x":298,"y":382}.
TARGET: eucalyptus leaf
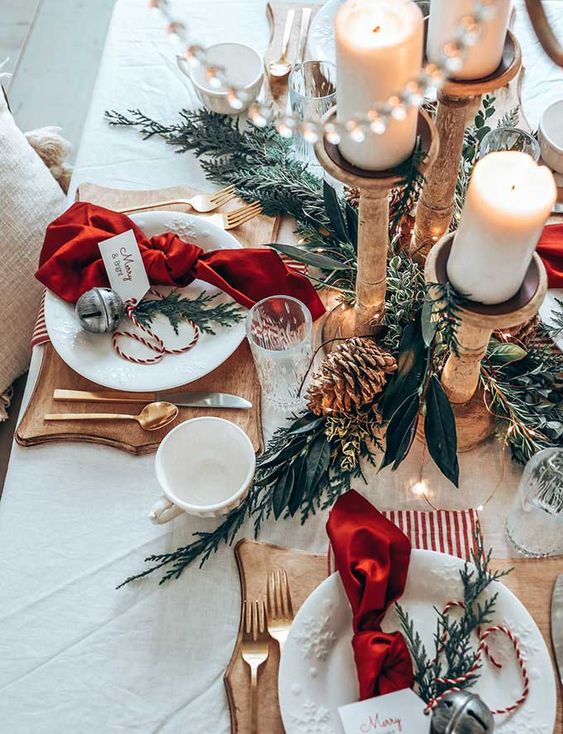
{"x":334,"y":212}
{"x":308,"y":427}
{"x":405,"y":381}
{"x":299,"y":484}
{"x":285,"y":454}
{"x":282,"y":492}
{"x":440,"y":430}
{"x":401,"y":431}
{"x":313,"y":259}
{"x":501,"y":353}
{"x":318,"y":463}
{"x":429,"y":321}
{"x":352,"y":223}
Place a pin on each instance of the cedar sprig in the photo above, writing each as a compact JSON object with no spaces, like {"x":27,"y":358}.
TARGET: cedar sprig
{"x":298,"y":473}
{"x":454,"y":653}
{"x":200,"y":310}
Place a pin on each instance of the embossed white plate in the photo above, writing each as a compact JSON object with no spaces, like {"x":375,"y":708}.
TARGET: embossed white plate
{"x":317,"y":672}
{"x":549,"y":308}
{"x":92,"y":355}
{"x":321,"y":33}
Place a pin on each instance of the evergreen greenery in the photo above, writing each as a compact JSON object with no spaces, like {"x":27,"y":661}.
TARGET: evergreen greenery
{"x":201,"y":310}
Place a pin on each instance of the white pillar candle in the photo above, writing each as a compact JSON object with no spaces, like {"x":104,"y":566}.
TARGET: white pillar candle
{"x":508,"y":201}
{"x":379,"y":47}
{"x":484,"y":56}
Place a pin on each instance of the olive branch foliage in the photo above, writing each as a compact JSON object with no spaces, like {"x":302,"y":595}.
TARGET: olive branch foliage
{"x":310,"y":462}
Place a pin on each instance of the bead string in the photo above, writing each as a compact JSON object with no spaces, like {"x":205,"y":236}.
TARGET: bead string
{"x":396,"y":107}
{"x":152,"y":341}
{"x":483,"y":648}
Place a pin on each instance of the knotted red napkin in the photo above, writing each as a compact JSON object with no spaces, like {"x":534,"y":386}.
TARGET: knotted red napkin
{"x":70,"y":261}
{"x":372,"y":556}
{"x":550,"y":249}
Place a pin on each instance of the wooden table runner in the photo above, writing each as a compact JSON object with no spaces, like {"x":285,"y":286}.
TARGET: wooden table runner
{"x":237,"y":375}
{"x":531,"y":580}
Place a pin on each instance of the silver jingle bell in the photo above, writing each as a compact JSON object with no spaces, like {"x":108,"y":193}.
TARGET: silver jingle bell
{"x":461,"y":712}
{"x":99,"y":310}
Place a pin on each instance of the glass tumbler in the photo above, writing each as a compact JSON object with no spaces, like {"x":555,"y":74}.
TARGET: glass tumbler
{"x":279,"y":331}
{"x":535,"y":523}
{"x":509,"y":138}
{"x":312,"y":93}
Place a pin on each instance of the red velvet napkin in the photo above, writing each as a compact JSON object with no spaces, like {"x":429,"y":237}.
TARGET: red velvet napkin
{"x":372,"y":556}
{"x":70,"y":261}
{"x":550,"y":249}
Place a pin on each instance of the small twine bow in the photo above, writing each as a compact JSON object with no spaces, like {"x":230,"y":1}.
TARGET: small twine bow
{"x":152,"y":341}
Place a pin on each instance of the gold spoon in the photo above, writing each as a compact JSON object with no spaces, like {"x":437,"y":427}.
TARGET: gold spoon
{"x":152,"y":417}
{"x":281,"y":67}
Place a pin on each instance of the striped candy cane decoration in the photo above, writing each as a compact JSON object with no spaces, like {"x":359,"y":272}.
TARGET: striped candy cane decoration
{"x":152,"y":341}
{"x":483,"y":648}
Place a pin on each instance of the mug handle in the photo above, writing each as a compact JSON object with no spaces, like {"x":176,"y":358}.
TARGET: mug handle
{"x":182,"y":62}
{"x":163,"y":511}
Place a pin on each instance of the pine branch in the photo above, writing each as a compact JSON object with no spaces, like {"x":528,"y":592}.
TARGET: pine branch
{"x":292,"y":475}
{"x":454,"y":654}
{"x":200,"y":310}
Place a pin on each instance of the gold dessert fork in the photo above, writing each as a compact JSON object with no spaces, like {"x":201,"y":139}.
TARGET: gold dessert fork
{"x":201,"y":203}
{"x":280,"y":609}
{"x":254,"y":649}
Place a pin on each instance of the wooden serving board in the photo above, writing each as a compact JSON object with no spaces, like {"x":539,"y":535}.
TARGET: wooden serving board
{"x":237,"y":375}
{"x":531,"y":580}
{"x":305,"y":572}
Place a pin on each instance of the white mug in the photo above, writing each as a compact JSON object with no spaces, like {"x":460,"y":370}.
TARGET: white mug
{"x":245,"y":70}
{"x":204,"y":467}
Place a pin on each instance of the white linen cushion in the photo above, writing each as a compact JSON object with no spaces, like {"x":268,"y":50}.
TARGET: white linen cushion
{"x":29,"y":199}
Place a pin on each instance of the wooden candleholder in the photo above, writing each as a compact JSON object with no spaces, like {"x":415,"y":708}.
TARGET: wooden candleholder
{"x":373,"y":231}
{"x":460,"y":377}
{"x":456,"y":100}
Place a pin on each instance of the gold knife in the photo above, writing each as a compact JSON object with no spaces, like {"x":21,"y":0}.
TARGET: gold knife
{"x":183,"y":399}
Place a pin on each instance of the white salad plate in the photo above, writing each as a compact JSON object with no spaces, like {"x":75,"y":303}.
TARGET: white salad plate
{"x":317,"y":672}
{"x":93,"y":356}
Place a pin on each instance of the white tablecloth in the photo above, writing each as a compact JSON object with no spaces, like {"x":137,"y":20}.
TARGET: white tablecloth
{"x":76,"y":655}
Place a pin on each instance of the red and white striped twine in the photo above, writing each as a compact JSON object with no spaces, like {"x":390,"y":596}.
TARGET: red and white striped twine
{"x":483,"y":647}
{"x":152,"y":341}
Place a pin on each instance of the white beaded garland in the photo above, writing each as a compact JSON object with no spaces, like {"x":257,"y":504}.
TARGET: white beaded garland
{"x":396,"y":107}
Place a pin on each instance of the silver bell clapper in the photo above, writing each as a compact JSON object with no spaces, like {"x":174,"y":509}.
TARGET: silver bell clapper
{"x":461,"y":712}
{"x":100,"y":310}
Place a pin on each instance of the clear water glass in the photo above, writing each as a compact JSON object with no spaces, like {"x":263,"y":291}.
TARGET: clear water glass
{"x":312,"y":93}
{"x":509,"y":138}
{"x":279,"y":331}
{"x":535,"y":523}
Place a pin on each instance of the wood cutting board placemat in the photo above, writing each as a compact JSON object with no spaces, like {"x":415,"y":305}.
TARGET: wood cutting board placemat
{"x":531,"y":580}
{"x":237,"y":375}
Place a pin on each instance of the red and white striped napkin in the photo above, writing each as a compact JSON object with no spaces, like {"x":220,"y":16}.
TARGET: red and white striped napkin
{"x":447,"y":531}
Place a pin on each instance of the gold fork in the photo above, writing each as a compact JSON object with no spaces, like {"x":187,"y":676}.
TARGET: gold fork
{"x":201,"y":203}
{"x":280,"y":609}
{"x":254,"y":650}
{"x":236,"y":217}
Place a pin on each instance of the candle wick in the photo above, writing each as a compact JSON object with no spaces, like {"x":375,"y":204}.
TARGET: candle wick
{"x":376,"y":28}
{"x":513,"y":187}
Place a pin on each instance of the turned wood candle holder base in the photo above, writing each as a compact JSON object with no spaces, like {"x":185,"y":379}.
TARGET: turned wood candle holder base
{"x":456,"y":100}
{"x":460,"y":377}
{"x":373,"y":231}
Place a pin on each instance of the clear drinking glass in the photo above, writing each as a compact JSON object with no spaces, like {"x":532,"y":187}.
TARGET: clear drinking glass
{"x":312,"y":92}
{"x":509,"y":138}
{"x":279,"y":331}
{"x":535,"y":523}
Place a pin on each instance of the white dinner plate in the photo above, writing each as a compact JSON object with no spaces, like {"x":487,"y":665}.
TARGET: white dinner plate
{"x":92,"y":355}
{"x":317,"y":672}
{"x":321,"y":33}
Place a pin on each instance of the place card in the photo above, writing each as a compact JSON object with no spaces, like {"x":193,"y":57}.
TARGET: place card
{"x":124,"y":266}
{"x":401,"y":712}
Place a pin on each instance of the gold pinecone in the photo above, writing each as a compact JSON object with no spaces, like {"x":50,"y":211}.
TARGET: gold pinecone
{"x":350,"y":377}
{"x":521,"y":334}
